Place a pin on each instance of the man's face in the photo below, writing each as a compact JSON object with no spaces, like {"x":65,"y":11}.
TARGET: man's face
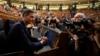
{"x":29,"y":18}
{"x":77,"y":18}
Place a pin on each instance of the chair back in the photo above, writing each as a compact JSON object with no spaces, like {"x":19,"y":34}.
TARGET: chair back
{"x":1,"y":24}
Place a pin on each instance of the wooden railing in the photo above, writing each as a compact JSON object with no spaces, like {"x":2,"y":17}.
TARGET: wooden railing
{"x":5,"y":16}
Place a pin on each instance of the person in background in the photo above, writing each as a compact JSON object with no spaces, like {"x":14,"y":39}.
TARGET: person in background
{"x":1,"y":8}
{"x":72,"y":29}
{"x":19,"y":37}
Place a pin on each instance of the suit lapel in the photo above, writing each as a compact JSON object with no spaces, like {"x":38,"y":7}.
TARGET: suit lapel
{"x":25,"y":29}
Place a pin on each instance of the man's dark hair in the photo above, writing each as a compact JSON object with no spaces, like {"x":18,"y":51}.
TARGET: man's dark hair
{"x":27,"y":12}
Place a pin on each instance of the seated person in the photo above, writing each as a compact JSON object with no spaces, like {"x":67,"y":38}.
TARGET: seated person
{"x":19,"y":38}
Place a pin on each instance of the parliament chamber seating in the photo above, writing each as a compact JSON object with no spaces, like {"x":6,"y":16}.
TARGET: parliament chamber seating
{"x":60,"y":45}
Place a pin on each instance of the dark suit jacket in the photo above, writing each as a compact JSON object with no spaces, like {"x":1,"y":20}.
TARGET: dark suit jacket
{"x":19,"y":39}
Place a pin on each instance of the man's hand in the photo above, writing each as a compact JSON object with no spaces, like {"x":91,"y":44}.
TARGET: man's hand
{"x":75,"y":37}
{"x":43,"y":40}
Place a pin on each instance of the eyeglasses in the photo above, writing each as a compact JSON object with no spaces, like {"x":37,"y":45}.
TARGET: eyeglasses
{"x":32,"y":16}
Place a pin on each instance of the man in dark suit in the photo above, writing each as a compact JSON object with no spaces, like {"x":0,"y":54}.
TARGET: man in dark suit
{"x":19,"y":37}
